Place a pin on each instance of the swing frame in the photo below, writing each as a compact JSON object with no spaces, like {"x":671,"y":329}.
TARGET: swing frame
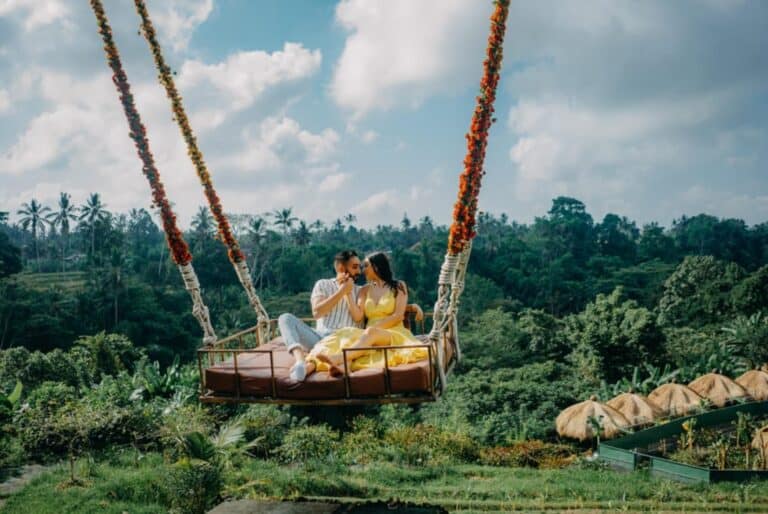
{"x":219,"y":350}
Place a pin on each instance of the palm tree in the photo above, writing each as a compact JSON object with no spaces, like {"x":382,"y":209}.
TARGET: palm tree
{"x":317,"y":225}
{"x":91,"y":212}
{"x":3,"y":217}
{"x":202,"y":223}
{"x":285,"y":219}
{"x":303,"y":236}
{"x":350,"y":218}
{"x":60,"y":219}
{"x":33,"y":216}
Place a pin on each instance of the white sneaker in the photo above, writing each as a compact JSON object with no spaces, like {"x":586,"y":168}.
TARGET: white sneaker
{"x":299,"y":372}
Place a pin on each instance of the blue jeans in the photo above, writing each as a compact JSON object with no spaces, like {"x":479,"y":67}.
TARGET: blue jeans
{"x":297,"y":334}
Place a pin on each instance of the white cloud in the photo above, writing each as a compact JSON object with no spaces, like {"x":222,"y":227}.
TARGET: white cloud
{"x":244,"y":76}
{"x":398,"y":51}
{"x":280,"y":141}
{"x":35,"y":13}
{"x":5,"y":101}
{"x":333,"y":182}
{"x":177,"y":20}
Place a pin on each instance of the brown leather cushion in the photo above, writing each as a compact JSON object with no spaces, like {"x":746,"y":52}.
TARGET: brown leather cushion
{"x":255,"y":378}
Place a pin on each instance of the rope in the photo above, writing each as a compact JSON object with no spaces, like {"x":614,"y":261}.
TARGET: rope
{"x":236,"y":255}
{"x":199,"y":309}
{"x":178,"y":246}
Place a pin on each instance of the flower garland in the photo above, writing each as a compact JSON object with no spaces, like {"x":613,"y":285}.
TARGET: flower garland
{"x":177,"y":244}
{"x":463,"y":226}
{"x":225,"y":231}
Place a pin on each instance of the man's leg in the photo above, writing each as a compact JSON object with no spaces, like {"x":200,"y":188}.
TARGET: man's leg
{"x":299,"y":338}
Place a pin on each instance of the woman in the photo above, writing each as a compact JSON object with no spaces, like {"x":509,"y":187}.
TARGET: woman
{"x":382,"y":302}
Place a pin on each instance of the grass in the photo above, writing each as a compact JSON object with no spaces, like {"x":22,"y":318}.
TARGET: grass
{"x":69,"y":281}
{"x":118,"y":483}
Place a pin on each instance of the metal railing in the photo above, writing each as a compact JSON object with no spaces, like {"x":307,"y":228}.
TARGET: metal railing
{"x":220,"y":349}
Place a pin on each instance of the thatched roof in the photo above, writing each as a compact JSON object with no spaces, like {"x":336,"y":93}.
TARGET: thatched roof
{"x":756,"y":383}
{"x":574,"y":421}
{"x":675,"y":399}
{"x":638,"y":409}
{"x":718,"y":389}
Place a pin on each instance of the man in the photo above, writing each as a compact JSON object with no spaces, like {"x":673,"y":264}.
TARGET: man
{"x":331,"y":300}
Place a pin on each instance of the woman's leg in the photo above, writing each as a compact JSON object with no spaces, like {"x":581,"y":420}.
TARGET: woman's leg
{"x":371,"y":337}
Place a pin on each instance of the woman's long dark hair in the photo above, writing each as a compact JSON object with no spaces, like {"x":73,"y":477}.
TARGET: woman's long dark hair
{"x":380,"y":264}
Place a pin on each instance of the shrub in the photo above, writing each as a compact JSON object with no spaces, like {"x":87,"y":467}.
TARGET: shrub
{"x":533,"y":453}
{"x":427,"y":445}
{"x":363,"y":444}
{"x":308,"y":443}
{"x":193,"y":486}
{"x":54,"y":427}
{"x":268,"y":425}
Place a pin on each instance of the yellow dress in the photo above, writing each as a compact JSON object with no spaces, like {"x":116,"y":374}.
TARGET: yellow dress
{"x":345,"y":337}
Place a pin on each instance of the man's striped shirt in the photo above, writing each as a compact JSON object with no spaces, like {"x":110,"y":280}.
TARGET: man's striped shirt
{"x":339,"y":316}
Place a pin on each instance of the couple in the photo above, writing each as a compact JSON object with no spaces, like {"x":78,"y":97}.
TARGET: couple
{"x":341,"y":309}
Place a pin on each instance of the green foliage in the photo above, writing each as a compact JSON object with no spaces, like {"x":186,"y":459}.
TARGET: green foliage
{"x":696,"y":352}
{"x":55,"y":423}
{"x":612,"y":336}
{"x":109,"y":354}
{"x":699,"y":291}
{"x":427,"y":445}
{"x":193,"y":486}
{"x":10,"y":257}
{"x":532,"y":453}
{"x":266,"y":426}
{"x":308,"y":444}
{"x":497,"y":404}
{"x":747,"y":337}
{"x":151,"y":382}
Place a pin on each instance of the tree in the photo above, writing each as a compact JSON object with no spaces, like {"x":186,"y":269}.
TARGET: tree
{"x":617,"y":236}
{"x":654,"y":243}
{"x":202,"y":225}
{"x":302,"y":236}
{"x":33,"y":216}
{"x":3,"y":217}
{"x":60,"y":219}
{"x":614,"y":335}
{"x":699,"y":291}
{"x":91,"y":213}
{"x":284,"y":219}
{"x":10,"y":257}
{"x":350,"y":219}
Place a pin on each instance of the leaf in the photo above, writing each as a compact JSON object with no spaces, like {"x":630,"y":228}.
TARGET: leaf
{"x":15,"y":395}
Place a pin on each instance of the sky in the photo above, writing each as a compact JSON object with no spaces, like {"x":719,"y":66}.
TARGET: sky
{"x":650,"y":110}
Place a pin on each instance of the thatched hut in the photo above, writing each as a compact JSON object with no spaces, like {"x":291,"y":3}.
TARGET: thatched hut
{"x":756,"y":383}
{"x":574,"y":421}
{"x":718,"y":389}
{"x":675,"y":399}
{"x":638,"y":409}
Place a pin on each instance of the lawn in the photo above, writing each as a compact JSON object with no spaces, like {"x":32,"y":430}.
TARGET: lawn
{"x":124,"y":483}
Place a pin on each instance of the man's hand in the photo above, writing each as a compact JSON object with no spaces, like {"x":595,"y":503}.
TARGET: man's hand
{"x":347,"y":285}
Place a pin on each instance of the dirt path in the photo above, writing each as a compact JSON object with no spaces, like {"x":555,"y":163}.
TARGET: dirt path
{"x":13,"y":484}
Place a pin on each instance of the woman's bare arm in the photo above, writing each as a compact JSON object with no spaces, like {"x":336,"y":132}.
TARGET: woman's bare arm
{"x":401,"y":300}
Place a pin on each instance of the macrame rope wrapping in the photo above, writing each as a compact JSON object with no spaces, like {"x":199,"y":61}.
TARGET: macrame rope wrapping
{"x":462,"y":230}
{"x":236,"y":255}
{"x":178,"y":246}
{"x":199,"y":309}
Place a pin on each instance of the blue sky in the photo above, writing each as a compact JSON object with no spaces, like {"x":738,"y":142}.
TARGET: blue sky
{"x":647,"y":109}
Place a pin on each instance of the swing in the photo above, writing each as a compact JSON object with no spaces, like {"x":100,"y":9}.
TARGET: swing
{"x":252,"y":366}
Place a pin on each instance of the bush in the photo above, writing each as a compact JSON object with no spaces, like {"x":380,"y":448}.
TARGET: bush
{"x":54,"y":427}
{"x":193,"y":486}
{"x":363,"y":444}
{"x":503,"y":403}
{"x":180,"y":422}
{"x":533,"y":453}
{"x":426,"y":445}
{"x":308,"y":443}
{"x":268,"y":425}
